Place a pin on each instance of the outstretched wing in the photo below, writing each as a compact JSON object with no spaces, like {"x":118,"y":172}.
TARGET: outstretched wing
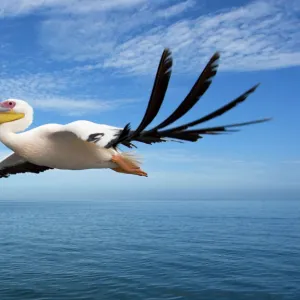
{"x":180,"y":133}
{"x":15,"y":164}
{"x":108,"y":136}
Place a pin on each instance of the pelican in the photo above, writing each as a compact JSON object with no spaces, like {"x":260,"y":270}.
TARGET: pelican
{"x":86,"y":145}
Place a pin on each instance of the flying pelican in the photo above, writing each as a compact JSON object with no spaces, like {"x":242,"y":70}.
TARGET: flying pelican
{"x":86,"y":145}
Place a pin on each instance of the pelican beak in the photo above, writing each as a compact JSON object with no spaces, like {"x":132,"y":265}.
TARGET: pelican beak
{"x":8,"y":115}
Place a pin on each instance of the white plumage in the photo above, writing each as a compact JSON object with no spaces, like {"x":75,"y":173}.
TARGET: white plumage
{"x":67,"y":146}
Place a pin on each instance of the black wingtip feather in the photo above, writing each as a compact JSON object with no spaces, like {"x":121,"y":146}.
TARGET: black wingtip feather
{"x":224,"y":128}
{"x":215,"y":60}
{"x":158,"y":91}
{"x":252,"y":90}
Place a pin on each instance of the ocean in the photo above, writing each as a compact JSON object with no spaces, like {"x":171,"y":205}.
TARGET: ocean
{"x":111,"y":250}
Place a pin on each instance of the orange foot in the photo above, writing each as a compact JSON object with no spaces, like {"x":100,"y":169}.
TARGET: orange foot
{"x":127,"y":167}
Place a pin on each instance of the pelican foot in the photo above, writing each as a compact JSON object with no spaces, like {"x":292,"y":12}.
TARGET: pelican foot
{"x":127,"y":167}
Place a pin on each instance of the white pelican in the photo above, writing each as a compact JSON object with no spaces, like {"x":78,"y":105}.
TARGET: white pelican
{"x":86,"y":145}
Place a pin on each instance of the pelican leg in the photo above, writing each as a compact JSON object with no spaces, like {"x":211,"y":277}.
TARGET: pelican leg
{"x":127,"y":167}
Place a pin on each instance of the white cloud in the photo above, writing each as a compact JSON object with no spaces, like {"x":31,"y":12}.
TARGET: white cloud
{"x":30,"y":83}
{"x":80,"y":39}
{"x":22,"y":7}
{"x":43,"y":91}
{"x":127,"y":36}
{"x":77,"y":106}
{"x":93,"y":36}
{"x":256,"y":37}
{"x":262,"y":35}
{"x":175,"y":9}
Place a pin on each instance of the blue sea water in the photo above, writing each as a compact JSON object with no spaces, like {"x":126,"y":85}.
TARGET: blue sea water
{"x":150,"y":250}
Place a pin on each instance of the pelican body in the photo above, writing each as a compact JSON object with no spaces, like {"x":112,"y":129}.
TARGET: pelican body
{"x":48,"y":146}
{"x":84,"y":145}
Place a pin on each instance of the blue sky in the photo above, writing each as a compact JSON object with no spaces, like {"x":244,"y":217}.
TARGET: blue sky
{"x":97,"y":61}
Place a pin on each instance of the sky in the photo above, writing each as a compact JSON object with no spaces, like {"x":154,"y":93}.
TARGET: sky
{"x":96,"y":60}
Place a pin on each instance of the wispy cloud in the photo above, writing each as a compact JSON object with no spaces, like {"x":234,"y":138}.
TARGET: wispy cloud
{"x":262,"y":35}
{"x":255,"y":37}
{"x":76,"y":107}
{"x":26,"y":84}
{"x":128,"y":35}
{"x":91,"y":36}
{"x":175,"y":9}
{"x":23,"y":7}
{"x":44,"y":91}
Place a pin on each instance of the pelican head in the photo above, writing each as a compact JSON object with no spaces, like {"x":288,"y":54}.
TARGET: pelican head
{"x":15,"y":115}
